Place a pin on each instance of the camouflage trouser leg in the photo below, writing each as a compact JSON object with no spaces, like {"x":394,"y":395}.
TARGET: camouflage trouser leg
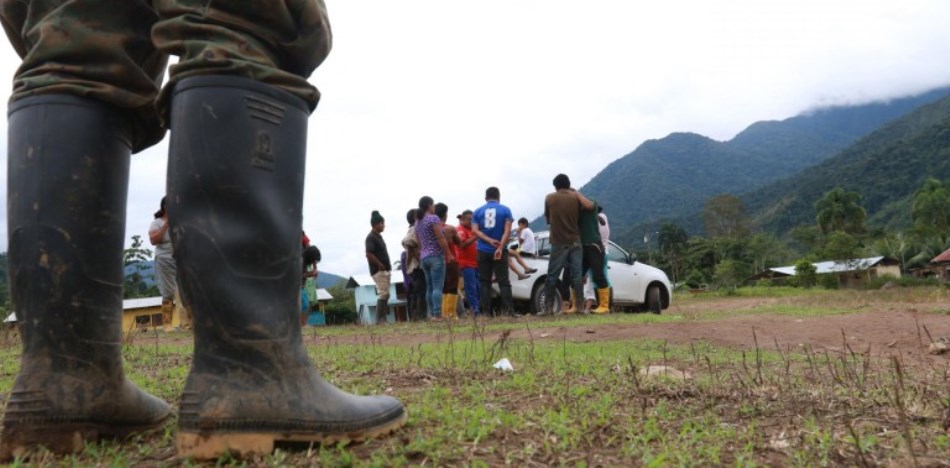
{"x":277,"y":42}
{"x":116,"y":51}
{"x":99,"y":49}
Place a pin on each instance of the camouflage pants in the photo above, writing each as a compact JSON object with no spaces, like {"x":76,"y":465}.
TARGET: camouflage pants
{"x":116,"y":50}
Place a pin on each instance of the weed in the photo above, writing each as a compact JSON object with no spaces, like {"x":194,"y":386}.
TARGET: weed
{"x":588,"y":404}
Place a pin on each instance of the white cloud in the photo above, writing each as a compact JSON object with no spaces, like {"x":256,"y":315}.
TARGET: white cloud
{"x":446,"y":98}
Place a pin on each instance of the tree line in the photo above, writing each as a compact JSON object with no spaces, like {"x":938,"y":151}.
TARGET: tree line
{"x":732,"y":251}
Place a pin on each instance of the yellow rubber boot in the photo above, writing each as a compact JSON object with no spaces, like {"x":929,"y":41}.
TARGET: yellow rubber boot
{"x":450,"y":306}
{"x":184,"y":315}
{"x":573,"y":309}
{"x":168,"y":309}
{"x":603,"y":301}
{"x":445,"y":303}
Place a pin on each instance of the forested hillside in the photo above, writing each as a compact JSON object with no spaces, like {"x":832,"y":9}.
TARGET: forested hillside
{"x":672,"y":177}
{"x":885,"y":168}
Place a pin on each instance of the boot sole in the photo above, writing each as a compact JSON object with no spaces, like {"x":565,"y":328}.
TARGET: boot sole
{"x":210,"y":446}
{"x":63,"y":438}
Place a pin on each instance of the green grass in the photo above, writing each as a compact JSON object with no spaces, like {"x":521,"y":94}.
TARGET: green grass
{"x":582,"y":404}
{"x":465,"y":325}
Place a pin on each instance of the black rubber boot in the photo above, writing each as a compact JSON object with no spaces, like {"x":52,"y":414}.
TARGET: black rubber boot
{"x":236,"y":179}
{"x":66,"y":193}
{"x":382,"y":310}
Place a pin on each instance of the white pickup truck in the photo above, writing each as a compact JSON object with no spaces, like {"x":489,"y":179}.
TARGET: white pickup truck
{"x":635,"y":285}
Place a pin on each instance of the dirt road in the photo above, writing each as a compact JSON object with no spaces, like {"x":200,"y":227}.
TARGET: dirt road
{"x":885,"y":328}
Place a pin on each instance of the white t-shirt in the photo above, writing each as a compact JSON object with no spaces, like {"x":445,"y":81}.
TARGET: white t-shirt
{"x":528,"y":244}
{"x":604,"y":231}
{"x":163,"y":249}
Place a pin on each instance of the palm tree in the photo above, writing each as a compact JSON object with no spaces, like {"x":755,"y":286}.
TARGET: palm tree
{"x":931,"y":208}
{"x":896,"y":246}
{"x":928,"y":248}
{"x":840,"y":210}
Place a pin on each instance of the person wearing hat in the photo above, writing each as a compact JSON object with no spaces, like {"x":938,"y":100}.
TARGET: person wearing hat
{"x":379,"y":266}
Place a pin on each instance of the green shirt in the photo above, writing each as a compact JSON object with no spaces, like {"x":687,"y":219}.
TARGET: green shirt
{"x":589,"y":226}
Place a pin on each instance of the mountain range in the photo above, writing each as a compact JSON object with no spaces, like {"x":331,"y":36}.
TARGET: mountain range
{"x":669,"y":179}
{"x":886,"y":167}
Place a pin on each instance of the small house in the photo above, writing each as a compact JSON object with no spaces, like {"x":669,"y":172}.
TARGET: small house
{"x":940,"y":266}
{"x":850,"y":272}
{"x":318,"y":308}
{"x":323,"y":297}
{"x":365,"y":294}
{"x":145,"y":313}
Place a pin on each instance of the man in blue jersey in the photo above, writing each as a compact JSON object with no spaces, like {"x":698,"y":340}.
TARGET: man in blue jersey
{"x":491,"y":223}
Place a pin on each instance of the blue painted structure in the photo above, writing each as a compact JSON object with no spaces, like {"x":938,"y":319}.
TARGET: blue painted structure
{"x":365,"y":294}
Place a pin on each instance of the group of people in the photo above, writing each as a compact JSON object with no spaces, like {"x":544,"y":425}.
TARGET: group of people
{"x":438,"y":256}
{"x":440,"y":260}
{"x":579,"y":245}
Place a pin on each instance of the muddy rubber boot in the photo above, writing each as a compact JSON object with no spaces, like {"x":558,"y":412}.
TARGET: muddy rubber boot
{"x":382,"y":310}
{"x":603,"y":301}
{"x":168,"y":309}
{"x":184,"y":315}
{"x":66,"y":193}
{"x":573,"y":307}
{"x":236,"y":179}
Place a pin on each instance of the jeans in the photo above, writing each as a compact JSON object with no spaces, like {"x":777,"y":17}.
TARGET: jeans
{"x":434,"y":268}
{"x":470,"y":278}
{"x":561,"y":256}
{"x":486,"y":266}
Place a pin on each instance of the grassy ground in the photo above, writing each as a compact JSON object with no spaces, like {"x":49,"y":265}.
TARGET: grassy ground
{"x":591,"y":404}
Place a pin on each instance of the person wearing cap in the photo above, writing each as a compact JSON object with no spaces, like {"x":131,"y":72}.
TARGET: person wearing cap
{"x":380,"y":267}
{"x":468,"y":261}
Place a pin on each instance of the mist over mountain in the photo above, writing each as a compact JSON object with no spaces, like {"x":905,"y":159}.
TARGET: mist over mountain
{"x":670,"y":178}
{"x":886,"y":167}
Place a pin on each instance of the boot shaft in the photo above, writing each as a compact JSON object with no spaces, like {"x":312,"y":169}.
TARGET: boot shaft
{"x":450,"y":306}
{"x":68,"y":180}
{"x":603,"y":301}
{"x":67,"y":185}
{"x":236,"y":175}
{"x":236,"y":170}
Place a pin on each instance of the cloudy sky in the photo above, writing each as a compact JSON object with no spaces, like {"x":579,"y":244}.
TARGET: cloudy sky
{"x":445,"y":98}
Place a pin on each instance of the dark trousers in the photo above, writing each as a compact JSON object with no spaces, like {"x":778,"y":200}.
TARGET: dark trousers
{"x":594,"y":261}
{"x":452,"y":273}
{"x":417,"y":295}
{"x":487,"y":265}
